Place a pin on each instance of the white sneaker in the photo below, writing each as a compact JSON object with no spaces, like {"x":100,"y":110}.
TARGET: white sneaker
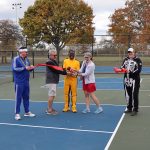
{"x":98,"y":110}
{"x":86,"y":111}
{"x":29,"y":114}
{"x":17,"y":117}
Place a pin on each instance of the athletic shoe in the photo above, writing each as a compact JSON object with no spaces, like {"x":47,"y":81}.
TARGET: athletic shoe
{"x":17,"y":117}
{"x":128,"y":111}
{"x":74,"y":109}
{"x":98,"y":110}
{"x":29,"y":114}
{"x":86,"y":111}
{"x":134,"y":113}
{"x":66,"y":109}
{"x":53,"y":112}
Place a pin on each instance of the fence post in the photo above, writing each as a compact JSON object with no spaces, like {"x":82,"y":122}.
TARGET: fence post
{"x":26,"y":42}
{"x":129,"y":40}
{"x":12,"y":56}
{"x":92,"y":45}
{"x":33,"y":62}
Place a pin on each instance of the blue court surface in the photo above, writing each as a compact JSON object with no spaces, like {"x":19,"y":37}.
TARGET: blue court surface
{"x":102,"y":83}
{"x":98,"y":69}
{"x":65,"y":131}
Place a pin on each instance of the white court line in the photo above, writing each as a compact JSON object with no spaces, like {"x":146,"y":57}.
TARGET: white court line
{"x":146,"y":78}
{"x":34,"y":101}
{"x":117,"y":78}
{"x":109,"y":77}
{"x":108,"y":89}
{"x":144,"y":106}
{"x":145,"y":90}
{"x":99,"y":89}
{"x":55,"y":128}
{"x":114,"y":133}
{"x":108,"y":82}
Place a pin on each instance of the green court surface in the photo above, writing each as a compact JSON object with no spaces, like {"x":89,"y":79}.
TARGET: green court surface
{"x":132,"y":133}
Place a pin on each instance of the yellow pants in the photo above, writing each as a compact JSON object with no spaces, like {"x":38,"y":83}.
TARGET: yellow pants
{"x":70,"y":86}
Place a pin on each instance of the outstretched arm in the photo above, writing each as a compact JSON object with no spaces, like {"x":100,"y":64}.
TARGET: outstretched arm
{"x":55,"y":68}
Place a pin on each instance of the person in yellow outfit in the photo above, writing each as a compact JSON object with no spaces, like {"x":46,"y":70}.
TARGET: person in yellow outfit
{"x":70,"y":81}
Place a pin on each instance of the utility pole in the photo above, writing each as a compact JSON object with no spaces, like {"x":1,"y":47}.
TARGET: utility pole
{"x":15,"y":6}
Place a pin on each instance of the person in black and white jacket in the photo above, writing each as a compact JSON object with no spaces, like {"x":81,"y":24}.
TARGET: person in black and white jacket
{"x":133,"y":65}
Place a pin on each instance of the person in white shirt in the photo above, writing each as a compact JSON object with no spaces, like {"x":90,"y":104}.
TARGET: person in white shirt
{"x":89,"y":87}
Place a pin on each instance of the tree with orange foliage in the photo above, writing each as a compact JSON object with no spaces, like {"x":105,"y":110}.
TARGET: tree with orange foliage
{"x":131,"y":25}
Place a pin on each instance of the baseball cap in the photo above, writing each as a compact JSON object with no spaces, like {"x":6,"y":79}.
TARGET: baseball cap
{"x":23,"y":49}
{"x":130,"y":50}
{"x":87,"y":54}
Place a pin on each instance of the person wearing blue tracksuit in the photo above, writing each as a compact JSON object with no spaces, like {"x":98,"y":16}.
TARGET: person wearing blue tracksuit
{"x":21,"y":67}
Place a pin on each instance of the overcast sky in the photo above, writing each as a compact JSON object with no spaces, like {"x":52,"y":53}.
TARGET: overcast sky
{"x":102,"y":9}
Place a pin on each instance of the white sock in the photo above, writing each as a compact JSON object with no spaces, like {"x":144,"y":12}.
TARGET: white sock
{"x":88,"y":108}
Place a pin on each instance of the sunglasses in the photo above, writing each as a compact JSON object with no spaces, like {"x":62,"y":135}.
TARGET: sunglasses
{"x":54,"y":55}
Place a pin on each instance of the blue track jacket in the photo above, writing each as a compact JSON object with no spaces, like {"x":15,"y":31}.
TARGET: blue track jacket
{"x":21,"y":75}
{"x":21,"y":79}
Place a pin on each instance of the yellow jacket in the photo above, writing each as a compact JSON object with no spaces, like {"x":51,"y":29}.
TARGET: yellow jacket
{"x":74,"y":64}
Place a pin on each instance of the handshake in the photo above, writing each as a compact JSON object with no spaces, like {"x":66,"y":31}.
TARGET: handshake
{"x":72,"y":72}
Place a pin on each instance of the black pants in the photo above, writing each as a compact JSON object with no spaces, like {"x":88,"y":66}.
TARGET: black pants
{"x":131,"y":87}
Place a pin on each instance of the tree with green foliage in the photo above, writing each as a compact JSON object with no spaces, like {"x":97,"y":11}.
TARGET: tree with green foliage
{"x":58,"y":22}
{"x":10,"y":36}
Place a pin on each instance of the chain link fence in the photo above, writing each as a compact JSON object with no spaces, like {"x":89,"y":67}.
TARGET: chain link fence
{"x":106,"y":50}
